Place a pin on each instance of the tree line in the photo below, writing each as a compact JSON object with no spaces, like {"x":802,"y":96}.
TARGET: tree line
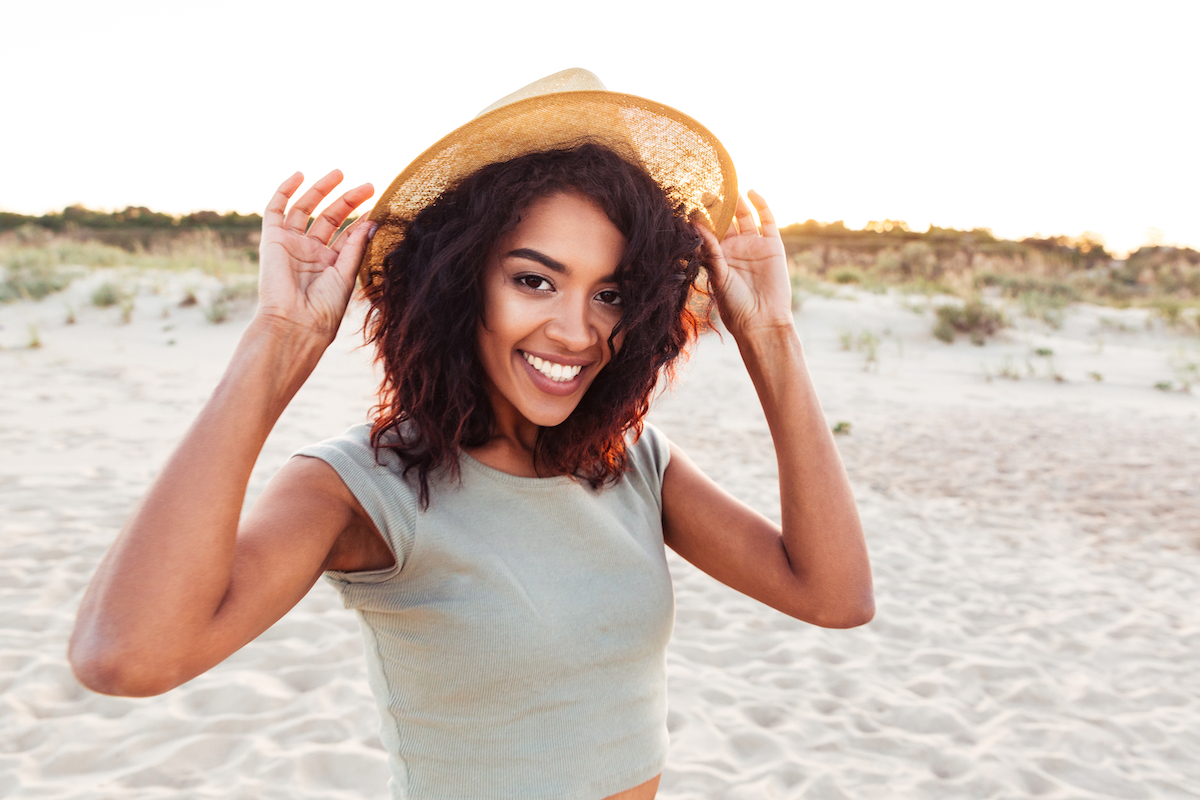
{"x":132,"y":217}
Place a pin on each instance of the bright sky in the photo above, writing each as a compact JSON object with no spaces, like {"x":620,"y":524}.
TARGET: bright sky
{"x":1045,"y":117}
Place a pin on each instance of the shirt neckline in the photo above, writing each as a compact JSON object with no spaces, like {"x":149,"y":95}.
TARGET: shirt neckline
{"x":513,"y":480}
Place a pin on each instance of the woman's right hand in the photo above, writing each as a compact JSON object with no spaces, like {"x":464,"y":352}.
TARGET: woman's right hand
{"x":305,"y":279}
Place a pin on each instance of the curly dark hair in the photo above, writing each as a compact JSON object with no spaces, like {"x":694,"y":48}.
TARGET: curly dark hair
{"x":426,"y":306}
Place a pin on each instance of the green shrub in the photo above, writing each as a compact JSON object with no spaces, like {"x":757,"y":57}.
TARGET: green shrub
{"x":975,"y":318}
{"x":31,"y":279}
{"x":107,"y":294}
{"x":217,"y":311}
{"x":848,"y":275}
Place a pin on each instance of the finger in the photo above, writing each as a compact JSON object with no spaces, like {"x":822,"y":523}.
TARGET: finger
{"x":765,"y":215}
{"x":297,"y":218}
{"x":713,"y":255}
{"x":745,"y":217}
{"x":273,"y":214}
{"x":326,"y":225}
{"x":353,"y":243}
{"x":343,"y":235}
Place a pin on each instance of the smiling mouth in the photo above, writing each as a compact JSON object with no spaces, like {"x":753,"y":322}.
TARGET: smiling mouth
{"x":559,"y":373}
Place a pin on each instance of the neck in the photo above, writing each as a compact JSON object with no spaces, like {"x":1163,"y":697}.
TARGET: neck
{"x":509,"y":454}
{"x":512,"y":442}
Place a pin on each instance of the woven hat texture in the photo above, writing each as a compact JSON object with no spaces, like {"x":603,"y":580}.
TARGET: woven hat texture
{"x":560,"y":111}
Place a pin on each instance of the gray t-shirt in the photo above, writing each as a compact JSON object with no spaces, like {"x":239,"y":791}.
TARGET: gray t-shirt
{"x":517,"y":648}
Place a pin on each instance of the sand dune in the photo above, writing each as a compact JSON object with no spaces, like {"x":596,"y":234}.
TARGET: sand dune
{"x":1035,"y":545}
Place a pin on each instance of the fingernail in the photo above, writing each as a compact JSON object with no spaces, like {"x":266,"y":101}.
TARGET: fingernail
{"x":371,"y":230}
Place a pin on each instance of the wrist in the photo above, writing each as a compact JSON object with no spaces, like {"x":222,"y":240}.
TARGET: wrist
{"x":278,"y":355}
{"x":285,"y":329}
{"x":774,"y":358}
{"x":768,"y":339}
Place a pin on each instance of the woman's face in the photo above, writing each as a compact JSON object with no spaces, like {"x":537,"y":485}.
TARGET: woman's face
{"x":550,"y":303}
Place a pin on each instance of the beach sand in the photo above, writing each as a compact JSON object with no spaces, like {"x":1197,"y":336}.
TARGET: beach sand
{"x":1035,"y":543}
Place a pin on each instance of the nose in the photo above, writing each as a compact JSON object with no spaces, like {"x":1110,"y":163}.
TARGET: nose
{"x":572,"y":325}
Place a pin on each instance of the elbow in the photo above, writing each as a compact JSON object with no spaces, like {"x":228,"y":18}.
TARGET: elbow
{"x":845,"y":613}
{"x":105,"y":670}
{"x":849,"y":617}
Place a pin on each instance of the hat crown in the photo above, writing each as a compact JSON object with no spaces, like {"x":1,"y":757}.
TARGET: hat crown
{"x":559,"y":112}
{"x":575,"y":79}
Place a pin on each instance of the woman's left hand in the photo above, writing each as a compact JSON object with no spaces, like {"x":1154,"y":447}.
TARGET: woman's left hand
{"x":752,"y":286}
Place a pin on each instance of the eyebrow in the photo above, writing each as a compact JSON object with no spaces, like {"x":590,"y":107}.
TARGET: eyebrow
{"x":541,"y":258}
{"x":546,"y":261}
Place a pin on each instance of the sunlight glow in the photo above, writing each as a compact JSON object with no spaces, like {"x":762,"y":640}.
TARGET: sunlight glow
{"x":1019,"y":120}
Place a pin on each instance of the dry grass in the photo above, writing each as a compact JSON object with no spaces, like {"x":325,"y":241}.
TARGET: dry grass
{"x":37,"y":263}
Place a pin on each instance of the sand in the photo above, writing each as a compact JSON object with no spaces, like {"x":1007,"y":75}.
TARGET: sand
{"x":1035,"y":544}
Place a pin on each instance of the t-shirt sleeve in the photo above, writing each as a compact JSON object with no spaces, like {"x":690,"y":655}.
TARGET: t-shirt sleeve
{"x":650,"y":455}
{"x":378,"y":485}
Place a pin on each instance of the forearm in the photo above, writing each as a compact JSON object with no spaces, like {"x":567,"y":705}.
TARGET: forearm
{"x":164,"y":578}
{"x":822,"y":534}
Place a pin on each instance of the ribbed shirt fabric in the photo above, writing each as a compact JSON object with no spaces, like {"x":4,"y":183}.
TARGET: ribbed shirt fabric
{"x":517,"y":648}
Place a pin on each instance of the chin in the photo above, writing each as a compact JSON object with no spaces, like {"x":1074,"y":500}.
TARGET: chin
{"x":550,"y":418}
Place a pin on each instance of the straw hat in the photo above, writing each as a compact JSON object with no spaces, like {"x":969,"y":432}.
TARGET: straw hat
{"x":562,"y":110}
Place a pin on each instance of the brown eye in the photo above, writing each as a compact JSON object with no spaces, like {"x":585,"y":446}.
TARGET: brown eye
{"x":610,"y":297}
{"x":535,"y":282}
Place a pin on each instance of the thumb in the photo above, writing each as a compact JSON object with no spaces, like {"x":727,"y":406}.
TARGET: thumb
{"x":350,"y":255}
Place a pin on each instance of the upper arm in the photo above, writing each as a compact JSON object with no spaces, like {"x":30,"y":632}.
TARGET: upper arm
{"x":725,"y":538}
{"x":305,"y":521}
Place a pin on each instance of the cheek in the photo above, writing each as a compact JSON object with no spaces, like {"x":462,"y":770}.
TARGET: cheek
{"x":505,"y":324}
{"x":507,"y":321}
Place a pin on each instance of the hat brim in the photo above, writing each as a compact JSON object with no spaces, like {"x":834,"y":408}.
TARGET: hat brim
{"x":680,"y":154}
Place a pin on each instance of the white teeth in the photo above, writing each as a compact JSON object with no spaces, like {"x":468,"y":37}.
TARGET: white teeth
{"x":555,"y":372}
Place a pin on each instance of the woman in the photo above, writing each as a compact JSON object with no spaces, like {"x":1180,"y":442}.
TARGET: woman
{"x":500,"y":525}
